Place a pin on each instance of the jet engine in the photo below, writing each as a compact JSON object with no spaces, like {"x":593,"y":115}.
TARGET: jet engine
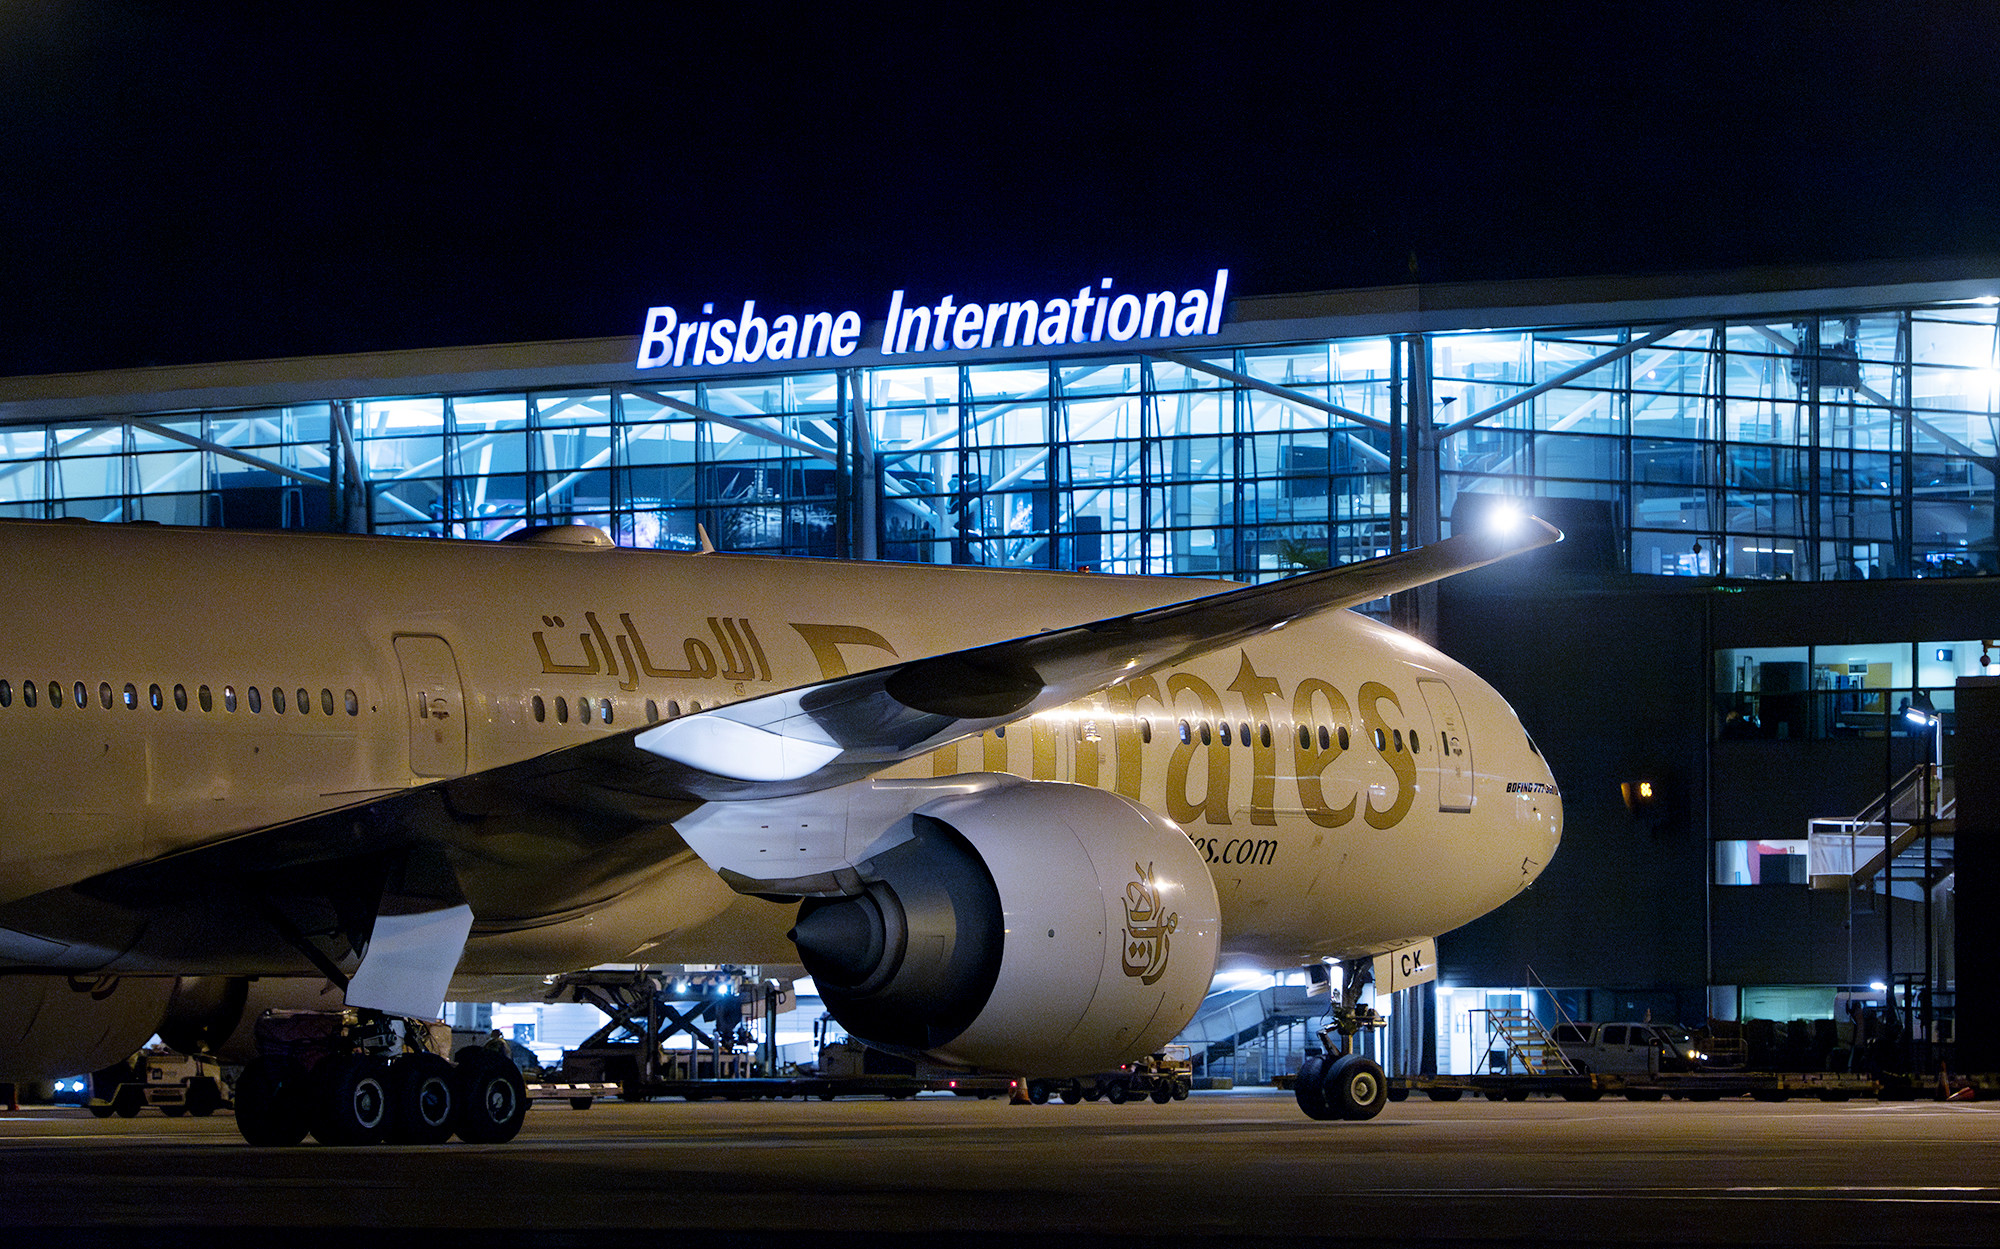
{"x":54,"y":1026}
{"x":1025,"y":927}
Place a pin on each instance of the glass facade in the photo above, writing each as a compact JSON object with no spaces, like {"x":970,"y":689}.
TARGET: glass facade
{"x":1826,"y":445}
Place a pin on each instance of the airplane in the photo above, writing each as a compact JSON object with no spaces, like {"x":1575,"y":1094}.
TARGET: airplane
{"x":1007,"y":820}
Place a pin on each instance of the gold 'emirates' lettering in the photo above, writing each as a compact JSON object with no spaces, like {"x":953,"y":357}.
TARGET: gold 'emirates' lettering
{"x":1373,"y":695}
{"x":1214,"y":804}
{"x":742,"y":655}
{"x":1309,"y":760}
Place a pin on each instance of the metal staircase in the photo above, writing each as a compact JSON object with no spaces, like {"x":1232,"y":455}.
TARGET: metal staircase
{"x":1527,"y":1042}
{"x":1849,"y":852}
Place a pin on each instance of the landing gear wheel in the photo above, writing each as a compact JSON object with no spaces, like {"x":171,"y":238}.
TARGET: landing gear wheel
{"x":1038,"y":1092}
{"x":1445,"y":1095}
{"x":1116,"y":1092}
{"x":1093,"y":1093}
{"x":492,"y":1099}
{"x":1070,"y":1094}
{"x":1355,"y":1088}
{"x":1309,"y":1088}
{"x":350,"y":1100}
{"x":421,"y":1100}
{"x":267,"y":1110}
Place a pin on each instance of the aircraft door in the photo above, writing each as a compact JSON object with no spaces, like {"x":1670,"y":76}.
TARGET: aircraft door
{"x":436,"y":703}
{"x":1454,"y":743}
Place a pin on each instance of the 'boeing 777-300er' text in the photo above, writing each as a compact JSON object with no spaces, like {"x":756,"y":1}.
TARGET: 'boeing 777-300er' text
{"x":1008,"y":821}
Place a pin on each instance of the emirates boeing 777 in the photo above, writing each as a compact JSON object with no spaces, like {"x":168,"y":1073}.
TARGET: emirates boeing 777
{"x":1007,"y":820}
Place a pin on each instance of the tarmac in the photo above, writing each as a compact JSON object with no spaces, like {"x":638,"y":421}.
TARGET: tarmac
{"x":1221,"y":1169}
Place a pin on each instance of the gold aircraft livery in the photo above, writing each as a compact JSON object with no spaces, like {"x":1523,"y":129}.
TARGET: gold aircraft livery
{"x":1008,"y":821}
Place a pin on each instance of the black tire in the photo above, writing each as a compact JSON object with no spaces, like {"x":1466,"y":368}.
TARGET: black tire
{"x":99,"y":1110}
{"x":1445,"y":1095}
{"x":1181,"y":1090}
{"x":1309,"y":1089}
{"x":422,"y":1101}
{"x":267,"y":1108}
{"x":1517,"y":1095}
{"x":204,"y":1098}
{"x":1355,"y":1088}
{"x":1583,"y":1095}
{"x":1038,"y":1092}
{"x":127,"y":1103}
{"x":1163,"y":1093}
{"x":1093,"y":1093}
{"x":1071,"y":1094}
{"x":350,"y":1100}
{"x":492,"y":1099}
{"x":580,"y":1103}
{"x":1116,"y":1092}
{"x":174,"y":1111}
{"x":1642,"y":1095}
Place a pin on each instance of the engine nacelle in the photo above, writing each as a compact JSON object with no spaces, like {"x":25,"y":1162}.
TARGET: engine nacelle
{"x":52,"y":1026}
{"x":1026,"y":927}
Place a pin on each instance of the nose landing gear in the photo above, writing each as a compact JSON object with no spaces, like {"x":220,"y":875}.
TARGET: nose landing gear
{"x":1342,"y":1084}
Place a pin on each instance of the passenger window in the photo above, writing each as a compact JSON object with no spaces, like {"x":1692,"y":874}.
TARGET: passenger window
{"x":1186,"y":736}
{"x":1343,"y":737}
{"x":1243,"y":732}
{"x":1204,"y":733}
{"x":1264,"y":736}
{"x":353,"y":704}
{"x":1397,"y":734}
{"x":131,"y":697}
{"x":180,"y":698}
{"x":82,"y":696}
{"x":652,"y":712}
{"x":674,"y":710}
{"x":229,"y":697}
{"x":562,"y":710}
{"x":6,"y":694}
{"x":305,"y":703}
{"x":155,"y":699}
{"x":1325,"y":741}
{"x":1413,"y":741}
{"x":278,"y":699}
{"x":1381,"y":742}
{"x":326,"y":701}
{"x":1225,"y":733}
{"x":104,"y":695}
{"x":583,"y":710}
{"x":1306,"y":737}
{"x":1146,"y":732}
{"x":27,"y":693}
{"x":256,"y":700}
{"x":604,"y":710}
{"x":540,"y":709}
{"x":1001,"y":731}
{"x":206,"y":699}
{"x":694,"y":706}
{"x":55,"y":694}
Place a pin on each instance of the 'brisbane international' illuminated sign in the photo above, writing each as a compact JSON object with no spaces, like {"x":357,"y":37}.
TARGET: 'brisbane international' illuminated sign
{"x":1092,"y":315}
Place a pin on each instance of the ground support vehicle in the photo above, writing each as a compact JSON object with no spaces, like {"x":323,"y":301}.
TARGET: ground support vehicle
{"x":580,"y":1095}
{"x":1691,"y":1086}
{"x":1163,"y":1078}
{"x":175,"y":1084}
{"x":354,"y":1077}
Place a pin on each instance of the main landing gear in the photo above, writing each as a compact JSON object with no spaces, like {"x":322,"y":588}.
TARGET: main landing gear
{"x":1342,"y":1084}
{"x":362,"y":1078}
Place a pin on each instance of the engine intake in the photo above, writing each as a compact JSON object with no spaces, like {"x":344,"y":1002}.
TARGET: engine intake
{"x":1029,"y":927}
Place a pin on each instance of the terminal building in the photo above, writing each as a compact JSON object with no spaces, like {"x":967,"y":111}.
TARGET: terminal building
{"x":1778,"y":489}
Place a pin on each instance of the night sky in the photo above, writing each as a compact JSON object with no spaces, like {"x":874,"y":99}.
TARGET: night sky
{"x":183,"y":183}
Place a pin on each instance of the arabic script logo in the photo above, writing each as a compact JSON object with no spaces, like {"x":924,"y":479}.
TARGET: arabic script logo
{"x":1147,"y":929}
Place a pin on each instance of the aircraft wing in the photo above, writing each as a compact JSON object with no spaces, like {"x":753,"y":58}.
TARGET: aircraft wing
{"x":817,"y":736}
